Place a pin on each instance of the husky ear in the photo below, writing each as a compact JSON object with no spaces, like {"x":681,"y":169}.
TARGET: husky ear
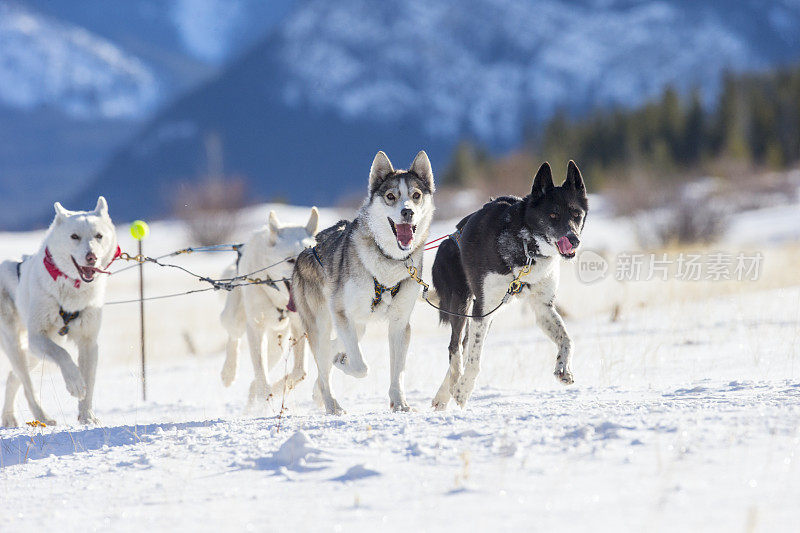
{"x":381,"y":167}
{"x":274,"y":227}
{"x":61,"y":213}
{"x":422,"y":168}
{"x":543,"y":181}
{"x":101,"y":209}
{"x":574,"y":178}
{"x":313,"y":222}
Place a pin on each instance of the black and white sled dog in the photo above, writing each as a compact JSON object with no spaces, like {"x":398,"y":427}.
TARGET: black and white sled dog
{"x":357,"y":272}
{"x":265,"y":308}
{"x":487,"y":251}
{"x":53,"y":295}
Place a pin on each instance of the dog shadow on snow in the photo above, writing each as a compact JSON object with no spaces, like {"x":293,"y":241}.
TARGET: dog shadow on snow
{"x":21,"y":448}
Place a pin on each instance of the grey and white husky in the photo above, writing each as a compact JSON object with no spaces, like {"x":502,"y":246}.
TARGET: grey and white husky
{"x":357,"y":272}
{"x":489,"y":248}
{"x":56,"y":294}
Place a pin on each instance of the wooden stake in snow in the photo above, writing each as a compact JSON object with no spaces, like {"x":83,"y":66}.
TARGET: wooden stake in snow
{"x":139,"y":231}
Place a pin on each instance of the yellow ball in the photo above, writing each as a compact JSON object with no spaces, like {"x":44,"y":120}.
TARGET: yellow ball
{"x":139,"y":230}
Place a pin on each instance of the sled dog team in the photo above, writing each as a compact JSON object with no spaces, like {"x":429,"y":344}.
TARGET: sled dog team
{"x":342,"y":277}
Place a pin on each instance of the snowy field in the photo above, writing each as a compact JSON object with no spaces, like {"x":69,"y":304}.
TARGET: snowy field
{"x":685,"y":415}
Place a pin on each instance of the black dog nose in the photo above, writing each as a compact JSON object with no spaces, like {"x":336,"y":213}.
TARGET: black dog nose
{"x":407,"y":214}
{"x":91,"y":259}
{"x":573,"y":239}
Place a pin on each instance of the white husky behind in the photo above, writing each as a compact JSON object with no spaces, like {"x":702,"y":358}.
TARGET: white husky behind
{"x":55,"y":295}
{"x":262,"y":308}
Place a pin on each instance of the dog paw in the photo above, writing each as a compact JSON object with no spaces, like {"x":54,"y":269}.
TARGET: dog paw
{"x":316,"y":395}
{"x":563,"y":374}
{"x":400,"y":406}
{"x":74,"y":381}
{"x":10,"y":421}
{"x":461,"y":392}
{"x":440,"y":402}
{"x":43,"y":418}
{"x":346,"y":364}
{"x":259,"y":392}
{"x":293,"y":379}
{"x":333,"y":408}
{"x":228,"y":373}
{"x":88,"y":418}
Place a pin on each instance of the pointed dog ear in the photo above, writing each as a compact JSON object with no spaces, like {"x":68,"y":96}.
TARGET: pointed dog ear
{"x":101,"y":209}
{"x":574,"y":178}
{"x":422,"y":168}
{"x":381,"y":167}
{"x":313,"y":222}
{"x":61,"y":213}
{"x":274,"y":227}
{"x":543,"y":181}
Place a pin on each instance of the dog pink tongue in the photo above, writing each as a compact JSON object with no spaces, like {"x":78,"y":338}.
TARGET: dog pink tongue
{"x":404,"y":234}
{"x":564,"y":246}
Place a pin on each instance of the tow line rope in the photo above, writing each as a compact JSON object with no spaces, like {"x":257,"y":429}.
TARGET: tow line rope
{"x":242,"y":280}
{"x":515,"y":287}
{"x":216,"y":284}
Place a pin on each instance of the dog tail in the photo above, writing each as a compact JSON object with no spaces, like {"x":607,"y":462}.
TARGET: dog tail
{"x":450,"y":281}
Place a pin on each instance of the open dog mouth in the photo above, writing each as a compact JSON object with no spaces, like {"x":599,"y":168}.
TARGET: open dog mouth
{"x":86,"y":272}
{"x":565,"y":247}
{"x":404,"y":234}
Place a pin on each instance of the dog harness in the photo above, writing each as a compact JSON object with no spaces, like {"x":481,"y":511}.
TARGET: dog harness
{"x":67,"y":318}
{"x":456,"y":236}
{"x":314,"y":251}
{"x":55,"y":273}
{"x":380,"y":289}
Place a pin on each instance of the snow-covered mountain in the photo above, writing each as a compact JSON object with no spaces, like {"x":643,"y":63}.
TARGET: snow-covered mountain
{"x":47,"y":62}
{"x":276,"y":79}
{"x":486,"y":67}
{"x":337,"y":81}
{"x":78,"y":77}
{"x":121,"y":58}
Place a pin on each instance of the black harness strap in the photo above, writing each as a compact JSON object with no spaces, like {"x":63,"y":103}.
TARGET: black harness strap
{"x":456,"y":236}
{"x":314,"y":251}
{"x":67,"y":318}
{"x":380,"y":289}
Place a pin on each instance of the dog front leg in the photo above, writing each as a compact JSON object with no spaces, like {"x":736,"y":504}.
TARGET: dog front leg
{"x":12,"y":387}
{"x":553,"y":326}
{"x":319,"y":338}
{"x":398,"y":350}
{"x":44,"y":347}
{"x":87,"y":363}
{"x":298,"y":372}
{"x":478,"y":329}
{"x":259,"y":388}
{"x":350,"y":362}
{"x":442,"y":397}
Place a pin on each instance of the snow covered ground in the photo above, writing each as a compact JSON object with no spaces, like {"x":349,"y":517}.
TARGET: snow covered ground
{"x":685,"y":415}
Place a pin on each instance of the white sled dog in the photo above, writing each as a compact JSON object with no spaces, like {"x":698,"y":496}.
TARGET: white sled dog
{"x":53,"y":295}
{"x":267,"y":308}
{"x":357,"y":272}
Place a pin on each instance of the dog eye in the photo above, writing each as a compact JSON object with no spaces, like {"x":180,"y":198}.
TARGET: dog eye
{"x":75,"y":237}
{"x":417,"y":195}
{"x":554,"y":216}
{"x":391,"y":197}
{"x":99,"y":236}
